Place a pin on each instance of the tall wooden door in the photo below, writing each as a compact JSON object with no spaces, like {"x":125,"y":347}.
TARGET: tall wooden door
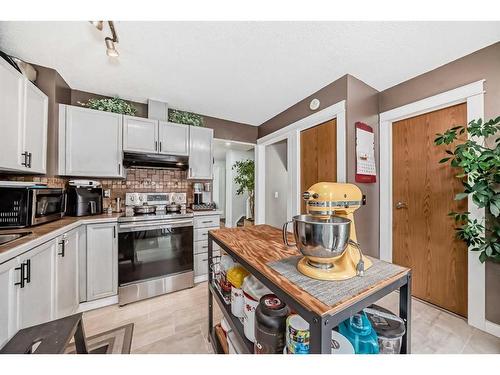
{"x":318,"y":155}
{"x":423,"y":195}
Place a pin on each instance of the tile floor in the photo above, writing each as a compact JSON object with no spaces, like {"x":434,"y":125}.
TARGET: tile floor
{"x":177,"y":323}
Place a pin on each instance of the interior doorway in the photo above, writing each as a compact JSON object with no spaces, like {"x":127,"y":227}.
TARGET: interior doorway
{"x":423,"y":194}
{"x":235,"y":207}
{"x":318,"y":156}
{"x":276,"y":195}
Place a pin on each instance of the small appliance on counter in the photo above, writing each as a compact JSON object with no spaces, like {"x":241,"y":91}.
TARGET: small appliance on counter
{"x":202,"y":197}
{"x":28,"y":204}
{"x":84,"y":198}
{"x":326,"y":236}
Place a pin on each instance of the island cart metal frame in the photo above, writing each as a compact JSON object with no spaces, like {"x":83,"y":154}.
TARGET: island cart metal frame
{"x":320,"y":325}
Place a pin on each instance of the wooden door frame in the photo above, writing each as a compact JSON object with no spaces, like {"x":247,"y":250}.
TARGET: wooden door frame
{"x":473,"y":95}
{"x":291,"y":133}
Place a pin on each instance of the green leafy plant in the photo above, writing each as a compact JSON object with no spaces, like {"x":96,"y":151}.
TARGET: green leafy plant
{"x":116,"y":105}
{"x":245,"y":179}
{"x":186,"y":118}
{"x":480,"y":175}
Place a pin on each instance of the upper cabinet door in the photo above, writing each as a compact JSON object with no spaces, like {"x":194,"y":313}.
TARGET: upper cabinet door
{"x":140,"y":134}
{"x":35,"y":128}
{"x":200,"y":153}
{"x":92,"y":143}
{"x":11,"y":118}
{"x":174,"y":138}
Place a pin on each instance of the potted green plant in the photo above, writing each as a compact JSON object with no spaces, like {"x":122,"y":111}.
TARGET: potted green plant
{"x":245,"y":179}
{"x":480,"y":175}
{"x":115,"y":105}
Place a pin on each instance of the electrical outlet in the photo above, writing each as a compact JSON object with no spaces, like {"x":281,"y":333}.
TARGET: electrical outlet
{"x":107,"y":193}
{"x":276,"y":195}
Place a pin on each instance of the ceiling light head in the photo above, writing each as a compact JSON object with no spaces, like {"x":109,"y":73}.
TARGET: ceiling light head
{"x":98,"y":24}
{"x":111,"y":50}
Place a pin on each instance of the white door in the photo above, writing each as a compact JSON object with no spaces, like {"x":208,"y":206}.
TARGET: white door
{"x":35,"y":127}
{"x":140,"y":134}
{"x":102,"y":261}
{"x":11,"y":110}
{"x":36,"y":298}
{"x":174,"y":138}
{"x":9,"y":276}
{"x":200,"y":153}
{"x":93,"y":143}
{"x":67,"y":287}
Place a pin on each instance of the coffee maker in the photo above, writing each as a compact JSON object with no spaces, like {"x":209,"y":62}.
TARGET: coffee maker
{"x":202,"y":194}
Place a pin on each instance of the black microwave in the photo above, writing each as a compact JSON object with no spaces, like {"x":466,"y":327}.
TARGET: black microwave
{"x":28,"y":206}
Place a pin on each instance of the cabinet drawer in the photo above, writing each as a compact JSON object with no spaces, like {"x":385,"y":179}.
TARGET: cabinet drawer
{"x":202,"y":247}
{"x":207,"y":221}
{"x":201,"y":263}
{"x":201,"y":234}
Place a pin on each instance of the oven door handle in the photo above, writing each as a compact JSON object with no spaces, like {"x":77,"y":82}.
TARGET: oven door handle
{"x":133,"y":227}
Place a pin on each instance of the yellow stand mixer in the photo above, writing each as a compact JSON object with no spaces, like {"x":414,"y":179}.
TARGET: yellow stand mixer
{"x":326,"y":236}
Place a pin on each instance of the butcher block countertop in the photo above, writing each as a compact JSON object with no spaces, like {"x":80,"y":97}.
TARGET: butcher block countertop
{"x":46,"y":232}
{"x":260,"y":244}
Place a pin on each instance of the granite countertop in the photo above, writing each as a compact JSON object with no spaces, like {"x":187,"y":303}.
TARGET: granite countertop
{"x":46,"y":232}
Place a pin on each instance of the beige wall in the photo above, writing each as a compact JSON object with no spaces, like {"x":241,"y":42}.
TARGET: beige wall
{"x":362,"y":105}
{"x":276,"y":182}
{"x":483,"y":64}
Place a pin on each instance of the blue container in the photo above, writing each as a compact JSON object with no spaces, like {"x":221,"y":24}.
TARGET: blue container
{"x":360,"y":334}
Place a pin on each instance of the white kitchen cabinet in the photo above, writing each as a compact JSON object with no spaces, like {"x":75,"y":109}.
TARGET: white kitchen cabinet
{"x":200,"y":153}
{"x":9,"y":275}
{"x":36,"y":297}
{"x":140,"y":134}
{"x":66,"y":279}
{"x":35,"y":127}
{"x":90,"y":142}
{"x":102,"y":261}
{"x":173,"y":138}
{"x":23,"y":123}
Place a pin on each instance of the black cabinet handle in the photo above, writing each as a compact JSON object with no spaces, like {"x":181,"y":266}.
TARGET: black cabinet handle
{"x":63,"y":248}
{"x":28,"y":271}
{"x":156,"y":145}
{"x":160,"y":146}
{"x":25,"y":163}
{"x":114,"y":232}
{"x":21,"y":275}
{"x":29,"y":159}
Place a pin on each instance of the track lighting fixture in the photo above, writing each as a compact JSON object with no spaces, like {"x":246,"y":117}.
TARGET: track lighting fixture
{"x":110,"y":42}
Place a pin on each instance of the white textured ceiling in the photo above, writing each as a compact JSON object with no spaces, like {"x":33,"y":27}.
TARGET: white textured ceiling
{"x":241,"y":71}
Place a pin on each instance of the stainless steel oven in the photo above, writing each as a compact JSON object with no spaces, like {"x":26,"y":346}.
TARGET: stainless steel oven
{"x":30,"y":205}
{"x":155,"y":256}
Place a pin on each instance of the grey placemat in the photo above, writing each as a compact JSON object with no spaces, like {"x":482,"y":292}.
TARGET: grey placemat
{"x":333,"y":292}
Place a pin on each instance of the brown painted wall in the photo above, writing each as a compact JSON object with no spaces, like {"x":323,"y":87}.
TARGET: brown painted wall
{"x":328,"y":95}
{"x":362,"y":105}
{"x":482,"y":64}
{"x":223,"y":129}
{"x":58,"y":91}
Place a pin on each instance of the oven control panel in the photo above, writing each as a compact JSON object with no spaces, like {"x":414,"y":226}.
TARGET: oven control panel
{"x":154,"y":199}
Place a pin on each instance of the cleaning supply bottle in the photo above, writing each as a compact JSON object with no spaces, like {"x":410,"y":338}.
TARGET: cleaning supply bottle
{"x":360,"y":334}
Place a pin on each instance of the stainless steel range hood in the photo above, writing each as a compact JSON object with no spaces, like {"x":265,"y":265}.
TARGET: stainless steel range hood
{"x":156,"y":161}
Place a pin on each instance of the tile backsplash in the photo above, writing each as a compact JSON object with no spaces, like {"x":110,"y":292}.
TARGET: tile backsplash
{"x":137,"y":180}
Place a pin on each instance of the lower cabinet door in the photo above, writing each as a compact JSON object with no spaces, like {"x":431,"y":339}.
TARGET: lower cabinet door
{"x":102,"y":261}
{"x":36,"y":296}
{"x":200,"y":264}
{"x":67,"y":287}
{"x":9,"y":276}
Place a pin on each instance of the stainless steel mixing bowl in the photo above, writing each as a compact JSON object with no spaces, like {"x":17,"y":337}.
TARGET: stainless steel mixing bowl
{"x":320,"y":237}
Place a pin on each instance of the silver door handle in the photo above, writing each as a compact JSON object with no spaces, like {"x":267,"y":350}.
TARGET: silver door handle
{"x":400,"y":205}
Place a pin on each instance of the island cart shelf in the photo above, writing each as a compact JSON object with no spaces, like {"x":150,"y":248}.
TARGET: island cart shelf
{"x":253,"y":247}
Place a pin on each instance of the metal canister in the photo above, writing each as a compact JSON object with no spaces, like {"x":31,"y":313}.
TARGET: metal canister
{"x":270,"y":324}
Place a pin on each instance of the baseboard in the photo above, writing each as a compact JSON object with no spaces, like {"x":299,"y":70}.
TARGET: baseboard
{"x":200,"y":279}
{"x":492,"y":328}
{"x":91,"y":305}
